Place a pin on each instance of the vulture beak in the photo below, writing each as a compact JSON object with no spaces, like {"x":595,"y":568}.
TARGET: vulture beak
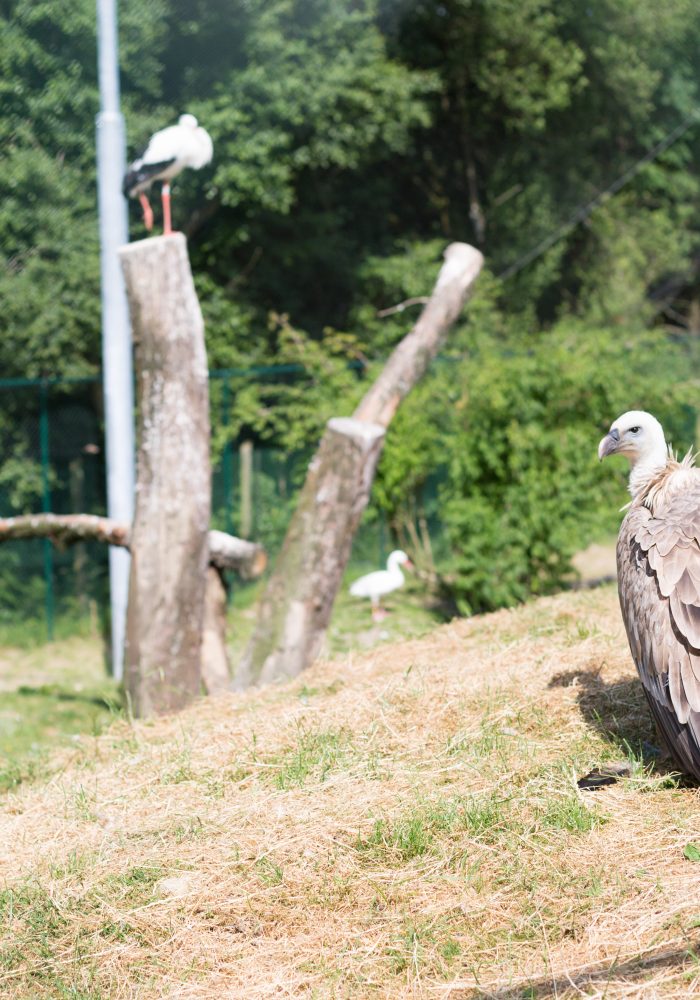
{"x":609,"y":444}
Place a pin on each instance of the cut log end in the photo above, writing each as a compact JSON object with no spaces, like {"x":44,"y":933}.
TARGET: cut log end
{"x":151,"y":242}
{"x":248,"y":559}
{"x":350,"y":427}
{"x":463,"y":263}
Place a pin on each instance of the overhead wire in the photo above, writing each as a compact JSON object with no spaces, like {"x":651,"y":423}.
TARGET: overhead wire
{"x":585,"y":209}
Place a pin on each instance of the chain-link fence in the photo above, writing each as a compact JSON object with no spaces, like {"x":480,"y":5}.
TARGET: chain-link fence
{"x":53,"y":460}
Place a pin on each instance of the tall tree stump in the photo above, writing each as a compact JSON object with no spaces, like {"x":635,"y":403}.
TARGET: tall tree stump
{"x":169,"y":537}
{"x":296,"y":606}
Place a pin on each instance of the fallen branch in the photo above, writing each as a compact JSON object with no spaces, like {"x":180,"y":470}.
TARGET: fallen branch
{"x":65,"y":529}
{"x":225,"y":551}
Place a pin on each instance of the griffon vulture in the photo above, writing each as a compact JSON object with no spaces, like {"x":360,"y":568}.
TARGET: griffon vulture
{"x":658,"y":569}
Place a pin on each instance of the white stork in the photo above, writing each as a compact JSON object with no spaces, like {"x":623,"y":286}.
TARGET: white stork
{"x":168,"y":152}
{"x":383,"y":581}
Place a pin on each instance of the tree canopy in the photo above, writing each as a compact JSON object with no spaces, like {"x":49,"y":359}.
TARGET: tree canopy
{"x":353,"y":139}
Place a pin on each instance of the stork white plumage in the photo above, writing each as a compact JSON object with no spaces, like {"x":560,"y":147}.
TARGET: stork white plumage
{"x":382,"y":582}
{"x":168,"y":152}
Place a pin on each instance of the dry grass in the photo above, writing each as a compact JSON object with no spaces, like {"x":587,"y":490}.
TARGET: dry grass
{"x":401,"y":823}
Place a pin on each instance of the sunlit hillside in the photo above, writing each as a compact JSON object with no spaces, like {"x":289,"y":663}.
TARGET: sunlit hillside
{"x":401,"y":822}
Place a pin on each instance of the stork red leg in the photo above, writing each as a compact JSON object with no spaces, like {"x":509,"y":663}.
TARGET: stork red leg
{"x":165,"y":196}
{"x":378,"y":612}
{"x":147,"y":211}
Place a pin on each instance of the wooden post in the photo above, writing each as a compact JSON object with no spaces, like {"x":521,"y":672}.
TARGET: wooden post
{"x":245,"y":455}
{"x":76,"y":481}
{"x":226,"y":552}
{"x":296,"y":606}
{"x":409,"y":360}
{"x":169,"y":537}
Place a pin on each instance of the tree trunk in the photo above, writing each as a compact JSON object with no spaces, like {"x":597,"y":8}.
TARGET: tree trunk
{"x":296,"y":606}
{"x":169,"y":538}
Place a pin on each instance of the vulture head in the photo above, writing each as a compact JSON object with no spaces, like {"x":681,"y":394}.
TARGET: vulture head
{"x":640,"y":437}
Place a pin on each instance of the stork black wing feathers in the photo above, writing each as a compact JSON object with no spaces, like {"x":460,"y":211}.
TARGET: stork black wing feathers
{"x":140,"y":175}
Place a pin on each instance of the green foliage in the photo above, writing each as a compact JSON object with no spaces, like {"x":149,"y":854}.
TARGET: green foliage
{"x":516,"y":425}
{"x":49,"y":279}
{"x":312,"y":381}
{"x":353,"y":140}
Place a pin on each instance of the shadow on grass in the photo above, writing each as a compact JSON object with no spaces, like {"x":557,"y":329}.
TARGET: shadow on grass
{"x":36,"y":720}
{"x":54,"y":691}
{"x":620,"y":713}
{"x":629,"y":971}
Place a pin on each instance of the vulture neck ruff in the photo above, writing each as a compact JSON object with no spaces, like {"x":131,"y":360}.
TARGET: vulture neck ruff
{"x":649,"y":484}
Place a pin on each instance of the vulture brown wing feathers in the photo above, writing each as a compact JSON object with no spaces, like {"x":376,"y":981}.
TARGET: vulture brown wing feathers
{"x":658,"y":562}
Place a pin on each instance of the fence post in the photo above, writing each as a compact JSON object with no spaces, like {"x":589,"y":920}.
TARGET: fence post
{"x":245,"y":453}
{"x":46,"y":503}
{"x":227,"y":460}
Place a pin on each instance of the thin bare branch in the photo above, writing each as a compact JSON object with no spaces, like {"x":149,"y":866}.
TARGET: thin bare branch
{"x":417,"y":300}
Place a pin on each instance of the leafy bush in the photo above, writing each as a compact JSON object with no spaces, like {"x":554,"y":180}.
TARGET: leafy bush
{"x":516,"y":424}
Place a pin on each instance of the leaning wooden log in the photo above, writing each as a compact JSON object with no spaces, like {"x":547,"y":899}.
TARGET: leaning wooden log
{"x":247,"y":559}
{"x":298,"y":599}
{"x":409,"y":360}
{"x":297,"y":602}
{"x":65,"y":529}
{"x":169,"y":538}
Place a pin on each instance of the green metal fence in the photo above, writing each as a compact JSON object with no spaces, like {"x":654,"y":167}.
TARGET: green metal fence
{"x":51,"y":432}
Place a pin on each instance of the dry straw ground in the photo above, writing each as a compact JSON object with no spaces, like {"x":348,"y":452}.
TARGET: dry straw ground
{"x":403,"y":823}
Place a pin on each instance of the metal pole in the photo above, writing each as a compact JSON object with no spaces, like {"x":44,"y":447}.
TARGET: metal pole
{"x":117,"y":371}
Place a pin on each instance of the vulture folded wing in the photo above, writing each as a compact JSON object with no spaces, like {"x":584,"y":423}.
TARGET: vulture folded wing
{"x":658,"y":562}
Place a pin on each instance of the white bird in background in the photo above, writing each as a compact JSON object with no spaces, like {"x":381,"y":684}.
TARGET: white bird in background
{"x":168,"y":152}
{"x":383,"y":581}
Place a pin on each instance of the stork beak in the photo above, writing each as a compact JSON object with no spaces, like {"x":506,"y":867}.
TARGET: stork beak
{"x":609,"y":444}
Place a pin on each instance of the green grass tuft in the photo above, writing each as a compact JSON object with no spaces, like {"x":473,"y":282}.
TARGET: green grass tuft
{"x":314,"y":754}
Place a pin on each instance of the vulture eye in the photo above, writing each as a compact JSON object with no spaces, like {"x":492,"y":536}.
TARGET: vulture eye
{"x":634,"y":430}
